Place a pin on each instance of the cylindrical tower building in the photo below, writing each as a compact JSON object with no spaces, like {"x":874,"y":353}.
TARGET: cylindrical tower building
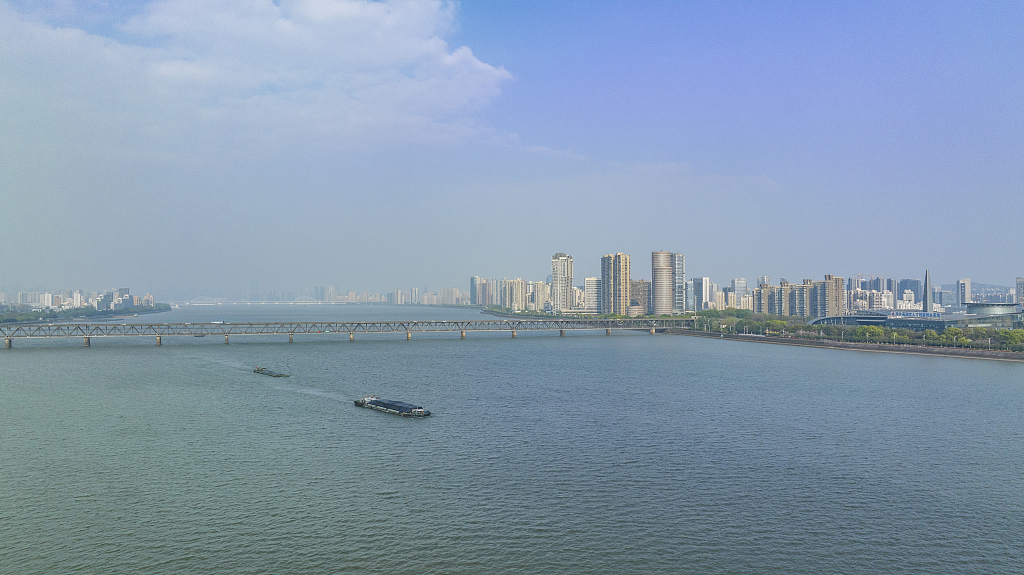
{"x":662,"y":282}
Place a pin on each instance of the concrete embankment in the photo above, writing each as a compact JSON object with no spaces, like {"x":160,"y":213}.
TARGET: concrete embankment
{"x":883,"y":348}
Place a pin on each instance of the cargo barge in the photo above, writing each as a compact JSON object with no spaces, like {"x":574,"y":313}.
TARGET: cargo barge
{"x":390,"y":406}
{"x":265,"y":371}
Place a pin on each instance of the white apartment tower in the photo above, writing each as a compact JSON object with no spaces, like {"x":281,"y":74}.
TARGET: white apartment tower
{"x":592,"y":294}
{"x":561,"y":282}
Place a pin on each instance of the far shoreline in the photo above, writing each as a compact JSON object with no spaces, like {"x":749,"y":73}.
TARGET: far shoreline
{"x":995,"y":355}
{"x":100,"y":316}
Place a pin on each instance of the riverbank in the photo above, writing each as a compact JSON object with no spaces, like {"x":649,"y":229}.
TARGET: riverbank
{"x":89,"y":313}
{"x":853,"y":346}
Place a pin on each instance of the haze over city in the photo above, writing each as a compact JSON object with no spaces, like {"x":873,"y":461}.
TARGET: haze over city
{"x":464,"y":287}
{"x":193,"y":148}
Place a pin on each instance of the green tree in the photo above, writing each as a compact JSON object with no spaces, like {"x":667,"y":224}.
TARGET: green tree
{"x":952,"y":332}
{"x":1012,"y":337}
{"x":874,"y":332}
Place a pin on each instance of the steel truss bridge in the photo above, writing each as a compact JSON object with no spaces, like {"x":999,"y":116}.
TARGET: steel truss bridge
{"x":160,"y":330}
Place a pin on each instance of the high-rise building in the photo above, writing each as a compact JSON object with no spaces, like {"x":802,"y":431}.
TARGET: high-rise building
{"x":640,"y":295}
{"x":796,"y":298}
{"x":577,"y":298}
{"x":592,"y":294}
{"x":928,"y":301}
{"x":1020,"y":290}
{"x":615,"y":283}
{"x":450,"y":296}
{"x":607,"y":277}
{"x":662,"y":283}
{"x":720,"y":301}
{"x":810,"y":298}
{"x":763,"y":281}
{"x":739,"y":287}
{"x":746,"y":302}
{"x":702,"y":293}
{"x":538,"y":295}
{"x":912,"y":285}
{"x":485,"y":293}
{"x":561,"y":282}
{"x":679,"y":278}
{"x":963,"y":288}
{"x":768,"y":299}
{"x":474,"y":290}
{"x":513,"y":294}
{"x":827,"y":297}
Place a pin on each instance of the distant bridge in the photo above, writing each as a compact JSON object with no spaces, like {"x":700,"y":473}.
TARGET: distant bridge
{"x":160,"y":330}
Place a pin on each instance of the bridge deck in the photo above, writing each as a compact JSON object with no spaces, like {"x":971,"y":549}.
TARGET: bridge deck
{"x":326,"y":327}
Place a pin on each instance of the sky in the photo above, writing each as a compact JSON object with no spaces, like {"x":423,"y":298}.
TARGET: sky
{"x":191,"y":148}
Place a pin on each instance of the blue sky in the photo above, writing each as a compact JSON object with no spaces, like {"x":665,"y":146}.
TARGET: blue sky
{"x":186,"y":147}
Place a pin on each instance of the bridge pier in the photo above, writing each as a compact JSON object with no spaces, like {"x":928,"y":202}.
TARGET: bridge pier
{"x":291,"y":338}
{"x":351,"y":336}
{"x":7,"y":343}
{"x":408,"y":335}
{"x":463,"y":334}
{"x":652,"y":331}
{"x":158,"y":341}
{"x":561,"y":332}
{"x":225,"y":339}
{"x":607,"y":332}
{"x":513,"y":333}
{"x":85,"y":343}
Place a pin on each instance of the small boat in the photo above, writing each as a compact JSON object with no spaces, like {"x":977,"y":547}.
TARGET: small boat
{"x":266,"y":371}
{"x":390,"y":406}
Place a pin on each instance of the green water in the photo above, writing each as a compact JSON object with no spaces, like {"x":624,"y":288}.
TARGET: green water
{"x":545,"y":454}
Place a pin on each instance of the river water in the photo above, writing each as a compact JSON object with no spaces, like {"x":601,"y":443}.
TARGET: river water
{"x":579,"y":454}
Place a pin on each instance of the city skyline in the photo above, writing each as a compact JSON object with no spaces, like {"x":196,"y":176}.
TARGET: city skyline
{"x":363,"y":294}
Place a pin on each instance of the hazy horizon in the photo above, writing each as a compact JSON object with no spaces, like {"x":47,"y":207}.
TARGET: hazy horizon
{"x":242,"y":293}
{"x":176,"y":147}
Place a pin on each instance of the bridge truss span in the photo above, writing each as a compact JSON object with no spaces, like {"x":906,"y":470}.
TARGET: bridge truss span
{"x":89,"y":330}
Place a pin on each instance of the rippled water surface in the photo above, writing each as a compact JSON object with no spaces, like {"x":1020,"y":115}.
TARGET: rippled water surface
{"x":545,"y":454}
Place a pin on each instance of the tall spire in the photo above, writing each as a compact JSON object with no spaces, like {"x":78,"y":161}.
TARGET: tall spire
{"x":927,"y":292}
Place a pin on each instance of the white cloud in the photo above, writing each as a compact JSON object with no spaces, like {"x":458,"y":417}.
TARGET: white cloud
{"x":228,"y":73}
